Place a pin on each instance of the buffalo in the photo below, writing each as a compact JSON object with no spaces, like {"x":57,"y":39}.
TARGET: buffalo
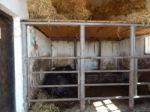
{"x":61,"y":79}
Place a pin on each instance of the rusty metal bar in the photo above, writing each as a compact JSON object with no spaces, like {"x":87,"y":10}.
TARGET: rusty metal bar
{"x":99,"y":84}
{"x":142,"y":96}
{"x":143,"y":70}
{"x":108,"y":84}
{"x":143,"y":83}
{"x":67,"y":72}
{"x":76,"y":85}
{"x":132,"y":67}
{"x":135,"y":62}
{"x":53,"y":100}
{"x":103,"y":98}
{"x":53,"y":86}
{"x":77,"y":57}
{"x":143,"y":57}
{"x":82,"y":71}
{"x":88,"y":98}
{"x":75,"y":23}
{"x":109,"y":57}
{"x":97,"y":71}
{"x":79,"y":82}
{"x":53,"y":57}
{"x":53,"y":72}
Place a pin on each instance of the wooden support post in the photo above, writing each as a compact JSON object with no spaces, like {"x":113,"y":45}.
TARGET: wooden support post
{"x":132,"y":68}
{"x":82,"y":71}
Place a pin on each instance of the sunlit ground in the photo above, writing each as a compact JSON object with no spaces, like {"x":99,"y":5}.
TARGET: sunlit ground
{"x":106,"y":106}
{"x":110,"y":106}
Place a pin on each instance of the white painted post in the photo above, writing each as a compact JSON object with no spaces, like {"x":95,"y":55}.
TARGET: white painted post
{"x":19,"y":98}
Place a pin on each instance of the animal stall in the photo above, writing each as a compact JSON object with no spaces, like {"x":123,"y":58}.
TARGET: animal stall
{"x":85,"y":66}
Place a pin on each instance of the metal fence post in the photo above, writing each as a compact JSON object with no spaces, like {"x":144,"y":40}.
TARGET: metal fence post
{"x":82,"y":71}
{"x":132,"y":87}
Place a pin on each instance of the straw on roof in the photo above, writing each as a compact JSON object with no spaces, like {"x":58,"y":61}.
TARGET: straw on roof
{"x":43,"y":10}
{"x":72,"y":9}
{"x":106,"y":10}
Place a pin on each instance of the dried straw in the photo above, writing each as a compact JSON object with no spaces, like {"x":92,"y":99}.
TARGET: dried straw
{"x":107,"y":10}
{"x":44,"y":107}
{"x":72,"y":9}
{"x":43,"y":10}
{"x":142,"y":16}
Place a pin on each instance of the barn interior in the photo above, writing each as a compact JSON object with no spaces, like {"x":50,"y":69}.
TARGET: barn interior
{"x":107,"y":54}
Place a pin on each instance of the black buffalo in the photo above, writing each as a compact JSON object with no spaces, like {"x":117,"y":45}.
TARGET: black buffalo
{"x":61,"y":79}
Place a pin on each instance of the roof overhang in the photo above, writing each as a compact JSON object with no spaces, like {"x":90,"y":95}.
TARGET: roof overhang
{"x":95,"y":30}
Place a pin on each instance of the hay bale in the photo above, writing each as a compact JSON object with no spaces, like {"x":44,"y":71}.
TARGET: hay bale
{"x":142,"y":16}
{"x":72,"y":9}
{"x":58,"y":9}
{"x":104,"y":9}
{"x":43,"y":10}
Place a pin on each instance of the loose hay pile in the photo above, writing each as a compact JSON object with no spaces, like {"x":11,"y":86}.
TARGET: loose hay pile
{"x":142,"y":16}
{"x":72,"y":9}
{"x":106,"y":10}
{"x":40,"y":107}
{"x":43,"y":107}
{"x":58,"y":9}
{"x":43,"y":10}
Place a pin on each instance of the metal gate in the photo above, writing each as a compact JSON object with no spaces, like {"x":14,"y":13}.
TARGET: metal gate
{"x":133,"y":70}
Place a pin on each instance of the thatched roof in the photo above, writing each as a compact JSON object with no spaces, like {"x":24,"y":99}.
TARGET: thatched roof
{"x":116,"y":10}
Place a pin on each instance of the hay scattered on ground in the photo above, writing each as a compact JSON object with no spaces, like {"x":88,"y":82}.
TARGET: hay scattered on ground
{"x":100,"y":106}
{"x":43,"y":107}
{"x":42,"y":95}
